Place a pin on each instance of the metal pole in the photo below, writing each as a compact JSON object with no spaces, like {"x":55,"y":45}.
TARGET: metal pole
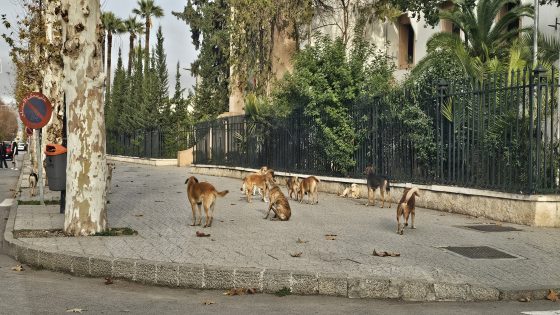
{"x":535,"y":33}
{"x":40,"y":166}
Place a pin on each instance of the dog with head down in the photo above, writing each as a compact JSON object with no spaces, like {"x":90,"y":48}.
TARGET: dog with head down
{"x":406,"y":207}
{"x":309,"y":186}
{"x":202,"y":194}
{"x":278,"y":204}
{"x":292,"y":184}
{"x":252,"y":181}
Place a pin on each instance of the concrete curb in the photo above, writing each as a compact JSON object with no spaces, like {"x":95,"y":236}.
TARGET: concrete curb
{"x":143,"y":161}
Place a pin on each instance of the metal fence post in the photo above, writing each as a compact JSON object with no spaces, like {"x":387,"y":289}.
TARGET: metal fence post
{"x":442,"y":91}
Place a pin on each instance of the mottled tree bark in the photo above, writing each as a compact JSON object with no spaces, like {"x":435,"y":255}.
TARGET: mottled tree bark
{"x":86,"y":177}
{"x":52,"y":73}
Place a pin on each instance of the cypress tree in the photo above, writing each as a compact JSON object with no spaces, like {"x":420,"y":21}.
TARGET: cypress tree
{"x":118,"y":98}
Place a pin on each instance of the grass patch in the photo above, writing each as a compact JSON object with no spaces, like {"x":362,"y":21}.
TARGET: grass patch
{"x":283,"y":292}
{"x":37,"y":202}
{"x":117,"y":232}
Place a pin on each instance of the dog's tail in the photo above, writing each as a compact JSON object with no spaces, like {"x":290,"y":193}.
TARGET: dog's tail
{"x":412,"y":191}
{"x":222,"y":193}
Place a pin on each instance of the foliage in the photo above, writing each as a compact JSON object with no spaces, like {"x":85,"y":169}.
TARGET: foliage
{"x":133,"y":28}
{"x":428,"y":9}
{"x":161,"y":84}
{"x":147,"y":9}
{"x":208,"y":21}
{"x":115,"y":109}
{"x":9,"y":125}
{"x":325,"y":84}
{"x":486,"y":41}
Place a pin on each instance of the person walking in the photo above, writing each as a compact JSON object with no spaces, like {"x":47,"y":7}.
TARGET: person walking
{"x":3,"y":156}
{"x":14,"y":155}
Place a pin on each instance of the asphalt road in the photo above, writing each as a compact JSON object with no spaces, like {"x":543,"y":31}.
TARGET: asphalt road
{"x":43,"y":292}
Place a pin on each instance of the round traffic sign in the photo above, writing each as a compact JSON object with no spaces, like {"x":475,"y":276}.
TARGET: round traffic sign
{"x":28,"y":131}
{"x":35,"y":110}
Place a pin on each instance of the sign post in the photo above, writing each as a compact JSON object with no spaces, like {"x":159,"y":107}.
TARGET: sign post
{"x":35,"y":112}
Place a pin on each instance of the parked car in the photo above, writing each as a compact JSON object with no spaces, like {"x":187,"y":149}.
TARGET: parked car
{"x":22,"y":146}
{"x":9,"y":154}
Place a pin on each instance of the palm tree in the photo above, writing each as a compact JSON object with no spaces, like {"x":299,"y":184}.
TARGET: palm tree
{"x":485,"y":38}
{"x":112,"y":25}
{"x":134,"y":28}
{"x":146,"y":9}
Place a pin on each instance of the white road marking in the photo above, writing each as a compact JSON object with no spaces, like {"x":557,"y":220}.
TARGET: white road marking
{"x":542,"y":313}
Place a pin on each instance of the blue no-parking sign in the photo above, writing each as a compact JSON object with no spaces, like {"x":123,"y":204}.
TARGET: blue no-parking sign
{"x":35,"y":110}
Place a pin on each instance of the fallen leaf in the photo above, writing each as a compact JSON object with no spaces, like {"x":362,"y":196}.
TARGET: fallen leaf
{"x":233,"y":204}
{"x":552,"y":295}
{"x":108,"y":280}
{"x":138,"y":215}
{"x":240,"y":291}
{"x":208,"y":302}
{"x":201,"y":234}
{"x":330,"y":237}
{"x":300,"y":241}
{"x":385,"y":254}
{"x":75,"y":310}
{"x":298,"y":254}
{"x":18,"y":268}
{"x":524,"y":299}
{"x":251,"y":291}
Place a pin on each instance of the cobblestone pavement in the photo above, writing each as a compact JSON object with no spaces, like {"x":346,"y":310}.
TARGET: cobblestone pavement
{"x":153,"y":201}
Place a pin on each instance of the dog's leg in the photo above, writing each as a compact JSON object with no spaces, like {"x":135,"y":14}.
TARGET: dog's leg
{"x":382,"y":196}
{"x":406,"y":214}
{"x":412,"y":218}
{"x":212,"y":212}
{"x":316,"y":195}
{"x":268,"y":212}
{"x":193,"y":207}
{"x":399,"y":210}
{"x":206,"y":209}
{"x":199,"y":208}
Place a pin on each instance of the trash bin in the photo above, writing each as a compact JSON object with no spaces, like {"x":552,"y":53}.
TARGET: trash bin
{"x":56,"y":166}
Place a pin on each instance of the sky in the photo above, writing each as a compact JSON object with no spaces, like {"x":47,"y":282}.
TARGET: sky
{"x":177,"y":40}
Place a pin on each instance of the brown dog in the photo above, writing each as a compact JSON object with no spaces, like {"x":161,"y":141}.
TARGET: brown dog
{"x":406,"y":207}
{"x":279,"y":204}
{"x":258,"y":181}
{"x":293,"y":186}
{"x":202,"y":194}
{"x":353,"y":191}
{"x":309,"y":186}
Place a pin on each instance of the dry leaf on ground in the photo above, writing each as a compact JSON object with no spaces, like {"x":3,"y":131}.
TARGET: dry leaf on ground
{"x":75,"y":310}
{"x":524,"y":299}
{"x":300,"y":241}
{"x":385,"y":254}
{"x":208,"y":302}
{"x":552,"y":295}
{"x":201,"y":234}
{"x":138,"y":215}
{"x":330,"y":237}
{"x":108,"y":280}
{"x":18,"y":268}
{"x":298,"y":254}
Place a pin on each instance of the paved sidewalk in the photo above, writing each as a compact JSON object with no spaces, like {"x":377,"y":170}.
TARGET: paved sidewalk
{"x":153,"y":201}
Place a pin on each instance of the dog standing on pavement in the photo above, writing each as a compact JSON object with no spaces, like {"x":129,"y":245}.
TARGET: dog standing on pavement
{"x":293,"y":186}
{"x":33,"y":179}
{"x":202,"y":194}
{"x":278,"y":204}
{"x":406,"y":207}
{"x":309,"y":186}
{"x":375,"y":181}
{"x":260,"y":181}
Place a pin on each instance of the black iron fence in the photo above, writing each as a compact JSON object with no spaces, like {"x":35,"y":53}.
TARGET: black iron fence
{"x":155,"y":143}
{"x":502,"y":134}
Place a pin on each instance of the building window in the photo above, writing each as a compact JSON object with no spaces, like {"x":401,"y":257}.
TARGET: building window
{"x":506,"y":8}
{"x":406,"y":42}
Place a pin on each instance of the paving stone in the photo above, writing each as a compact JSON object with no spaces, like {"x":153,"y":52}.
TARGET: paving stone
{"x":191,"y":276}
{"x":218,"y":278}
{"x":168,"y":274}
{"x":124,"y":269}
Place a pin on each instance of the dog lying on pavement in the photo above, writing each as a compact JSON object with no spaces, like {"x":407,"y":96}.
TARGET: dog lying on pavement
{"x":375,"y":181}
{"x":202,"y":194}
{"x":351,"y":191}
{"x":278,"y":204}
{"x":309,"y":186}
{"x":406,"y":207}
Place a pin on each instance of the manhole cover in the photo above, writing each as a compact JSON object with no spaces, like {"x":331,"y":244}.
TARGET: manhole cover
{"x":492,"y":228}
{"x":479,"y":252}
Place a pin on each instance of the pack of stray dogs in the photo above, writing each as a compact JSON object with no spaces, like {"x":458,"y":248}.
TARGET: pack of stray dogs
{"x":263,"y":182}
